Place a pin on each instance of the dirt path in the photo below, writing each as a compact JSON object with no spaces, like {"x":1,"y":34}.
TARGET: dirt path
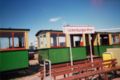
{"x":31,"y":77}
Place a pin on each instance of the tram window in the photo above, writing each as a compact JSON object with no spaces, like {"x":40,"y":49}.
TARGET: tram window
{"x":11,"y":40}
{"x":76,"y":40}
{"x":104,"y":39}
{"x":57,"y":40}
{"x":5,"y":40}
{"x":53,"y":40}
{"x":4,"y":43}
{"x":40,"y":40}
{"x":18,"y":40}
{"x":115,"y":39}
{"x":44,"y":41}
{"x":61,"y":40}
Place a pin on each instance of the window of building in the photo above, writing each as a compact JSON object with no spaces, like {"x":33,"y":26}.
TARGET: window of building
{"x":115,"y":39}
{"x":57,"y":40}
{"x":10,"y":40}
{"x":104,"y":39}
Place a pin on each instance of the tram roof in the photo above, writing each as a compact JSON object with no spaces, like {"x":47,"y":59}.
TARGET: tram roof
{"x":44,"y":31}
{"x":14,"y":29}
{"x":101,"y":32}
{"x":108,"y":32}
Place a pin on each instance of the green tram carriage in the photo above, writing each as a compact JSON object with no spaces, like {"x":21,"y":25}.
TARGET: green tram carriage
{"x":13,"y":49}
{"x":54,"y":45}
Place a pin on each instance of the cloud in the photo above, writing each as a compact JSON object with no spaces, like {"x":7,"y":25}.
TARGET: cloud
{"x":55,"y":19}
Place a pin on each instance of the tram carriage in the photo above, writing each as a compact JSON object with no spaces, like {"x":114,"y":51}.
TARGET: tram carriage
{"x":13,"y":49}
{"x":54,"y":45}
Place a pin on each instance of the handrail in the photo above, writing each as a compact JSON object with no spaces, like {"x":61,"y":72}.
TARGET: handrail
{"x":47,"y":65}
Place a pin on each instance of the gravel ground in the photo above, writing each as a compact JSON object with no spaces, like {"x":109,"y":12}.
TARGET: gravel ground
{"x":32,"y":73}
{"x":31,"y":77}
{"x":116,"y":79}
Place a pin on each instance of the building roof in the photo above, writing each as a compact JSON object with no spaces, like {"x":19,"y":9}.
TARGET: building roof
{"x":44,"y":31}
{"x":16,"y":29}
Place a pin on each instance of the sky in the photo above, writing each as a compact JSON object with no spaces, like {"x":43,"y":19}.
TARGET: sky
{"x":53,"y":14}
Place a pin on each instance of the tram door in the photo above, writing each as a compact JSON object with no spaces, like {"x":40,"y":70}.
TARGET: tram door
{"x":88,"y":44}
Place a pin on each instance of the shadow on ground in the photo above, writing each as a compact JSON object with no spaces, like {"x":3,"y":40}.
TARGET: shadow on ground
{"x":20,"y":73}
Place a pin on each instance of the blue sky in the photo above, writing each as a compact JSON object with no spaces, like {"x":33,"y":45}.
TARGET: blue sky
{"x":53,"y":14}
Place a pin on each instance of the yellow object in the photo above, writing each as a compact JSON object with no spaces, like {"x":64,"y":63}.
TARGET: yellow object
{"x":116,"y":52}
{"x":107,"y":56}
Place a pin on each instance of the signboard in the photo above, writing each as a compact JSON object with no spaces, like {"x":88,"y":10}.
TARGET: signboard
{"x":83,"y":29}
{"x":78,"y":29}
